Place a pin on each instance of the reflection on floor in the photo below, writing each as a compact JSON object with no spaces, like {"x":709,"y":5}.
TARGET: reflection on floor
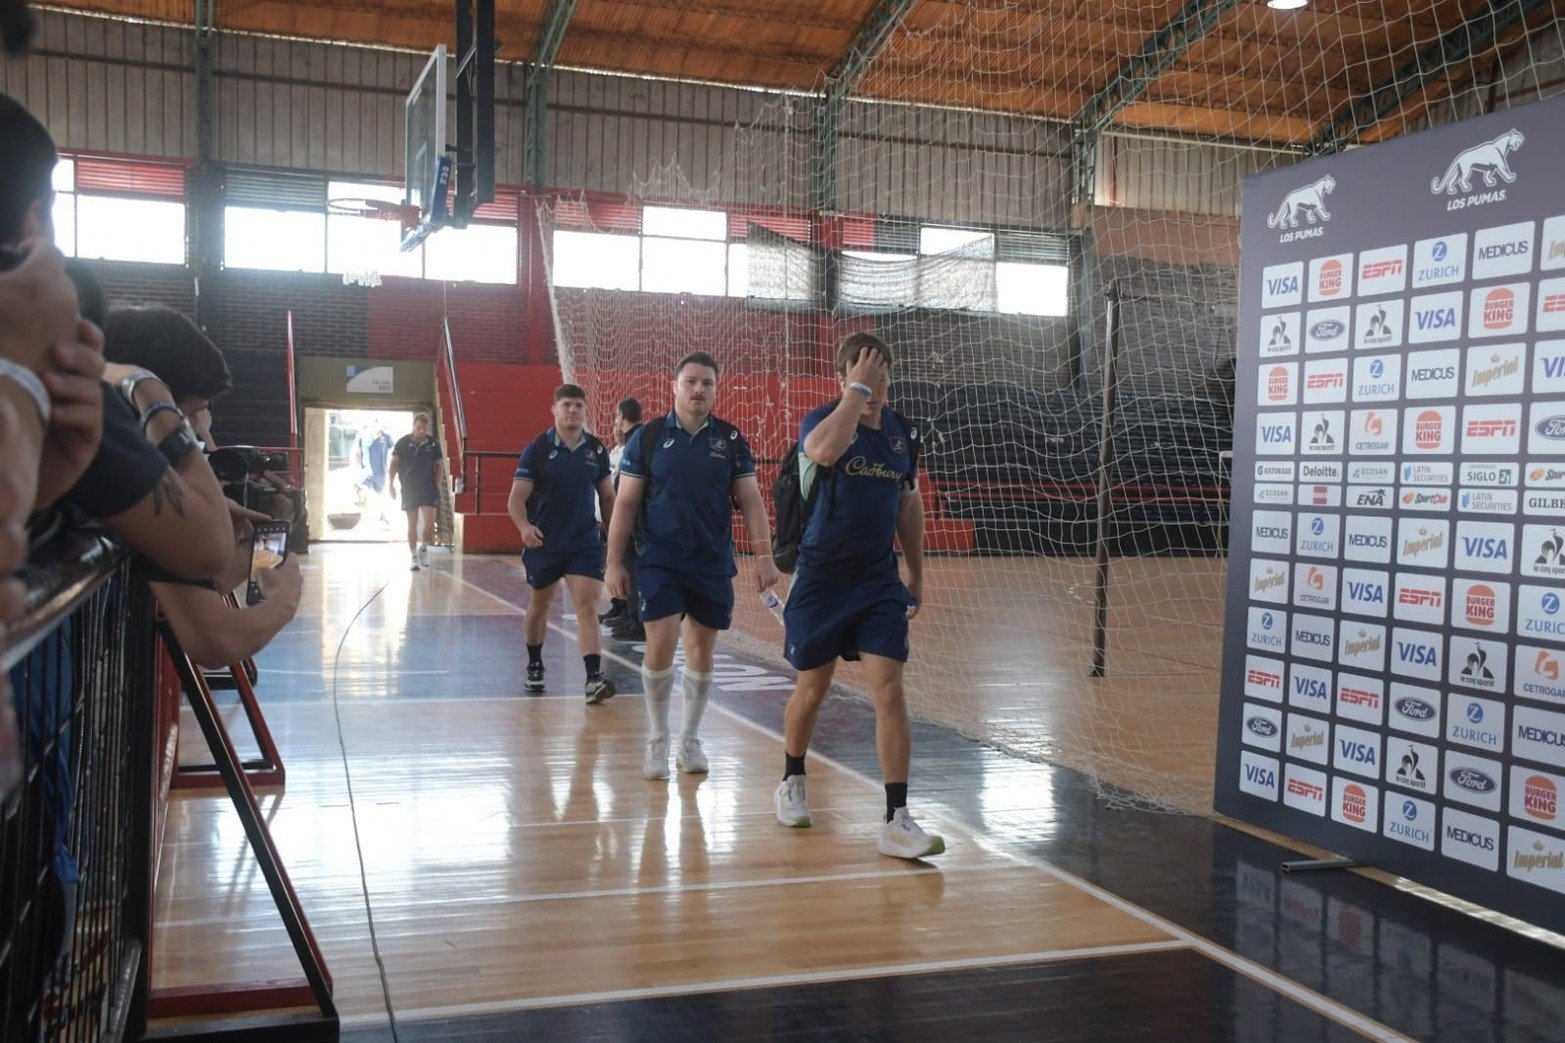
{"x":528,"y":884}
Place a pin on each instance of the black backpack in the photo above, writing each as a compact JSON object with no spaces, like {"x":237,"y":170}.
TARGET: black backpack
{"x":794,"y":508}
{"x":543,"y":491}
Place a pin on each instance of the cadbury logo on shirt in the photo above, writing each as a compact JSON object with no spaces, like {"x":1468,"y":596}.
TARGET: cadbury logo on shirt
{"x":859,"y":467}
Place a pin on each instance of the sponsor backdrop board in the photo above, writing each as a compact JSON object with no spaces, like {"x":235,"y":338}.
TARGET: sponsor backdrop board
{"x":1394,"y":665}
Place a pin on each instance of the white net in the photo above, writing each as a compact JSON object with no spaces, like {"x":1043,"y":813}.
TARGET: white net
{"x":982,"y":246}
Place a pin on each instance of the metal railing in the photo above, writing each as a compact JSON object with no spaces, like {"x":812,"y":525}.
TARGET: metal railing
{"x":75,"y":833}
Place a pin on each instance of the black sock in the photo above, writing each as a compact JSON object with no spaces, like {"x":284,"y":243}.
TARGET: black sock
{"x":792,"y":765}
{"x":594,"y":664}
{"x":534,"y":655}
{"x":896,"y":797}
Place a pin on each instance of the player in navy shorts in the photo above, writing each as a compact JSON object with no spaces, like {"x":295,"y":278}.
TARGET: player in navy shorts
{"x":848,"y":600}
{"x":688,"y":468}
{"x":562,"y":475}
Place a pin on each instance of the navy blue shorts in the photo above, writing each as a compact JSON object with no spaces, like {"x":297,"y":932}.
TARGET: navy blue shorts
{"x":706,"y":598}
{"x":545,"y":569}
{"x":824,"y":621}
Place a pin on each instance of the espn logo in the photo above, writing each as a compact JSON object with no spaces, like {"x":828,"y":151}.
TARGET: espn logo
{"x":1325,"y":381}
{"x":1382,"y":269}
{"x":1491,"y":429}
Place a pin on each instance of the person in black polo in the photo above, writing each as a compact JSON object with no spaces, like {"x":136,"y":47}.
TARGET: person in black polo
{"x":415,"y":460}
{"x":563,"y":474}
{"x":689,"y":468}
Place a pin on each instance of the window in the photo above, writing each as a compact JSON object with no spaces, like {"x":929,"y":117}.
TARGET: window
{"x":1032,"y":289}
{"x":594,"y":260}
{"x":274,"y":240}
{"x":63,"y":215}
{"x":477,"y":253}
{"x":963,"y":242}
{"x":683,"y":266}
{"x":108,"y":210}
{"x":684,"y":224}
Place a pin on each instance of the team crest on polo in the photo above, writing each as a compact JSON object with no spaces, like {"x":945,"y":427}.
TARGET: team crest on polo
{"x":898,"y":445}
{"x":719,"y":444}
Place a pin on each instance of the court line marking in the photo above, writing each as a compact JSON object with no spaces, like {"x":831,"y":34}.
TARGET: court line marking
{"x":1301,"y":994}
{"x":768,"y":981}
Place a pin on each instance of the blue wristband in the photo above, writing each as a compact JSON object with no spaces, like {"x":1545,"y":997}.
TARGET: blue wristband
{"x":863,"y":389}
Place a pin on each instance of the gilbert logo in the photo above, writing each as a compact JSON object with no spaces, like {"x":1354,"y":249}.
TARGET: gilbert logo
{"x":1487,"y":160}
{"x":1307,"y":203}
{"x":1499,"y":309}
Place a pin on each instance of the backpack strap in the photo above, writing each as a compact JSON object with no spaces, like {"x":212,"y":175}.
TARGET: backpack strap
{"x":651,"y":431}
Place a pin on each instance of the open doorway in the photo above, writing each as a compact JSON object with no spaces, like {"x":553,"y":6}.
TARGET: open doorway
{"x":346,"y":456}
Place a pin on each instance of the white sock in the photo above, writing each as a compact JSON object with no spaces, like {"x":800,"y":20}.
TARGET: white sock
{"x":697,"y":687}
{"x":658,"y":685}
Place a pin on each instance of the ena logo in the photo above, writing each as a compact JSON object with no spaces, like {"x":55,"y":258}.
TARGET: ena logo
{"x":1276,"y":434}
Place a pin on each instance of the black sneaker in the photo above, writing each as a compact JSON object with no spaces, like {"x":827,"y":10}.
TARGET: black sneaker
{"x":630,"y":630}
{"x":616,"y":614}
{"x":535,"y":677}
{"x":599,"y":689}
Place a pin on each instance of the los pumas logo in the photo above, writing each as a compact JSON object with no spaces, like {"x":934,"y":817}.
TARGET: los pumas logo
{"x":1488,"y":160}
{"x":1307,"y":204}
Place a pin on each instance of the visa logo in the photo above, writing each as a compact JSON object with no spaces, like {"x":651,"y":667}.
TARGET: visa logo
{"x":1438,"y":319}
{"x":1554,"y":368}
{"x":1310,"y":688}
{"x":1486,"y":547}
{"x":1260,"y":776}
{"x":1276,"y":433}
{"x":1285,"y":284}
{"x":1357,"y":752}
{"x":1412,"y":652}
{"x":1372,"y":593}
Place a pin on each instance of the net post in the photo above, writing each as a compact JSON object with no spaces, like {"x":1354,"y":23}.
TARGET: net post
{"x":1100,"y":592}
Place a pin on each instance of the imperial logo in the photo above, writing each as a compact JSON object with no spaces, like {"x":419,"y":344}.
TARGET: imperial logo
{"x":1429,"y":430}
{"x":1364,"y":644}
{"x":1480,"y":605}
{"x":1499,"y":309}
{"x":1540,"y":797}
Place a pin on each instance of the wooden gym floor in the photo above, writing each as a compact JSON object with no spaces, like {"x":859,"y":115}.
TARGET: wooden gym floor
{"x":526,"y":883}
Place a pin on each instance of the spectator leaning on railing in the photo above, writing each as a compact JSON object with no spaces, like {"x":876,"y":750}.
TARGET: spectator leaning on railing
{"x":214,"y":636}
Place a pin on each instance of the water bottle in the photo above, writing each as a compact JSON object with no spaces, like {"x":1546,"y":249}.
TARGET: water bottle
{"x":774,"y":605}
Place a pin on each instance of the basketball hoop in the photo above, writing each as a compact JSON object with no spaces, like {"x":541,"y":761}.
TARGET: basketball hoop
{"x":375,"y":209}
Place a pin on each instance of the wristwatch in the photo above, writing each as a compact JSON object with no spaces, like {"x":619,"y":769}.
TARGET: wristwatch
{"x":28,"y":381}
{"x":128,"y":385}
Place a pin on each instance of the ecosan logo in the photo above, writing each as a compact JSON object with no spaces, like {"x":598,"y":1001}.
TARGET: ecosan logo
{"x":1496,"y":370}
{"x":1331,"y":277}
{"x":1439,"y":261}
{"x":1306,"y":205}
{"x":1371,"y":472}
{"x":1378,"y":325}
{"x":1499,"y":310}
{"x":1489,"y":160}
{"x":1272,"y":492}
{"x":1382,"y":271}
{"x":1502,"y":251}
{"x":1279,"y":334}
{"x":1436,"y":317}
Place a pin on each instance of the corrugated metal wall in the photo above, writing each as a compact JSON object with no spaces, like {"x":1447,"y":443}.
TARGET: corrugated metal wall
{"x":1145,"y":173}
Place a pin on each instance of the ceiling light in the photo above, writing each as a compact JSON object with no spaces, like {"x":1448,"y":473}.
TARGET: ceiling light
{"x":1287,"y":5}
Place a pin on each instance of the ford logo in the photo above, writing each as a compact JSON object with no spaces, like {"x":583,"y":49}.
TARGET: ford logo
{"x":1472,"y":779}
{"x":1551,"y":427}
{"x":1415,"y":709}
{"x":1261,"y":726}
{"x":1326,"y":329}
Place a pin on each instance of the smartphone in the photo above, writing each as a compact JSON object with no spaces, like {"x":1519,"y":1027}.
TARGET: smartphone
{"x":268,"y":551}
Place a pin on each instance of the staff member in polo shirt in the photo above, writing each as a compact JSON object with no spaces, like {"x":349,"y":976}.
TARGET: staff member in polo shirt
{"x":563,"y":474}
{"x":688,"y":468}
{"x":416,"y":461}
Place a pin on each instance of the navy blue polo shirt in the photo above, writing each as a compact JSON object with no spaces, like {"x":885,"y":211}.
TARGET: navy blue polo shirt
{"x":849,"y":534}
{"x":688,"y":507}
{"x":565,"y":488}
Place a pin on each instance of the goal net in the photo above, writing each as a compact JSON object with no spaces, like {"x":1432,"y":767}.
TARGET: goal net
{"x":983,"y":247}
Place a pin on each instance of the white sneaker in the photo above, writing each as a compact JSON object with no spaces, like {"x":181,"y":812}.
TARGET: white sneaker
{"x":793,"y":807}
{"x":902,"y":838}
{"x":655,"y":766}
{"x":423,"y":555}
{"x":414,"y":566}
{"x":691,"y":760}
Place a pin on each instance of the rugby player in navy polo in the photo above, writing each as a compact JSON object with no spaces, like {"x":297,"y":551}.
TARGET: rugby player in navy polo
{"x":563,"y":474}
{"x":699,"y":467}
{"x":848,"y":599}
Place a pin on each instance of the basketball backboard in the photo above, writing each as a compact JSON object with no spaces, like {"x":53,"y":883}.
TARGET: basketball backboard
{"x":427,"y":169}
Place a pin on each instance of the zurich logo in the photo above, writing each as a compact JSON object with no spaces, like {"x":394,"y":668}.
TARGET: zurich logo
{"x":1377,"y":369}
{"x":1472,"y":779}
{"x":1318,"y":526}
{"x":1409,"y":810}
{"x":1266,"y":621}
{"x":1551,"y":603}
{"x":1440,"y":250}
{"x":1551,"y":427}
{"x":1326,"y":329}
{"x":1474,"y":713}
